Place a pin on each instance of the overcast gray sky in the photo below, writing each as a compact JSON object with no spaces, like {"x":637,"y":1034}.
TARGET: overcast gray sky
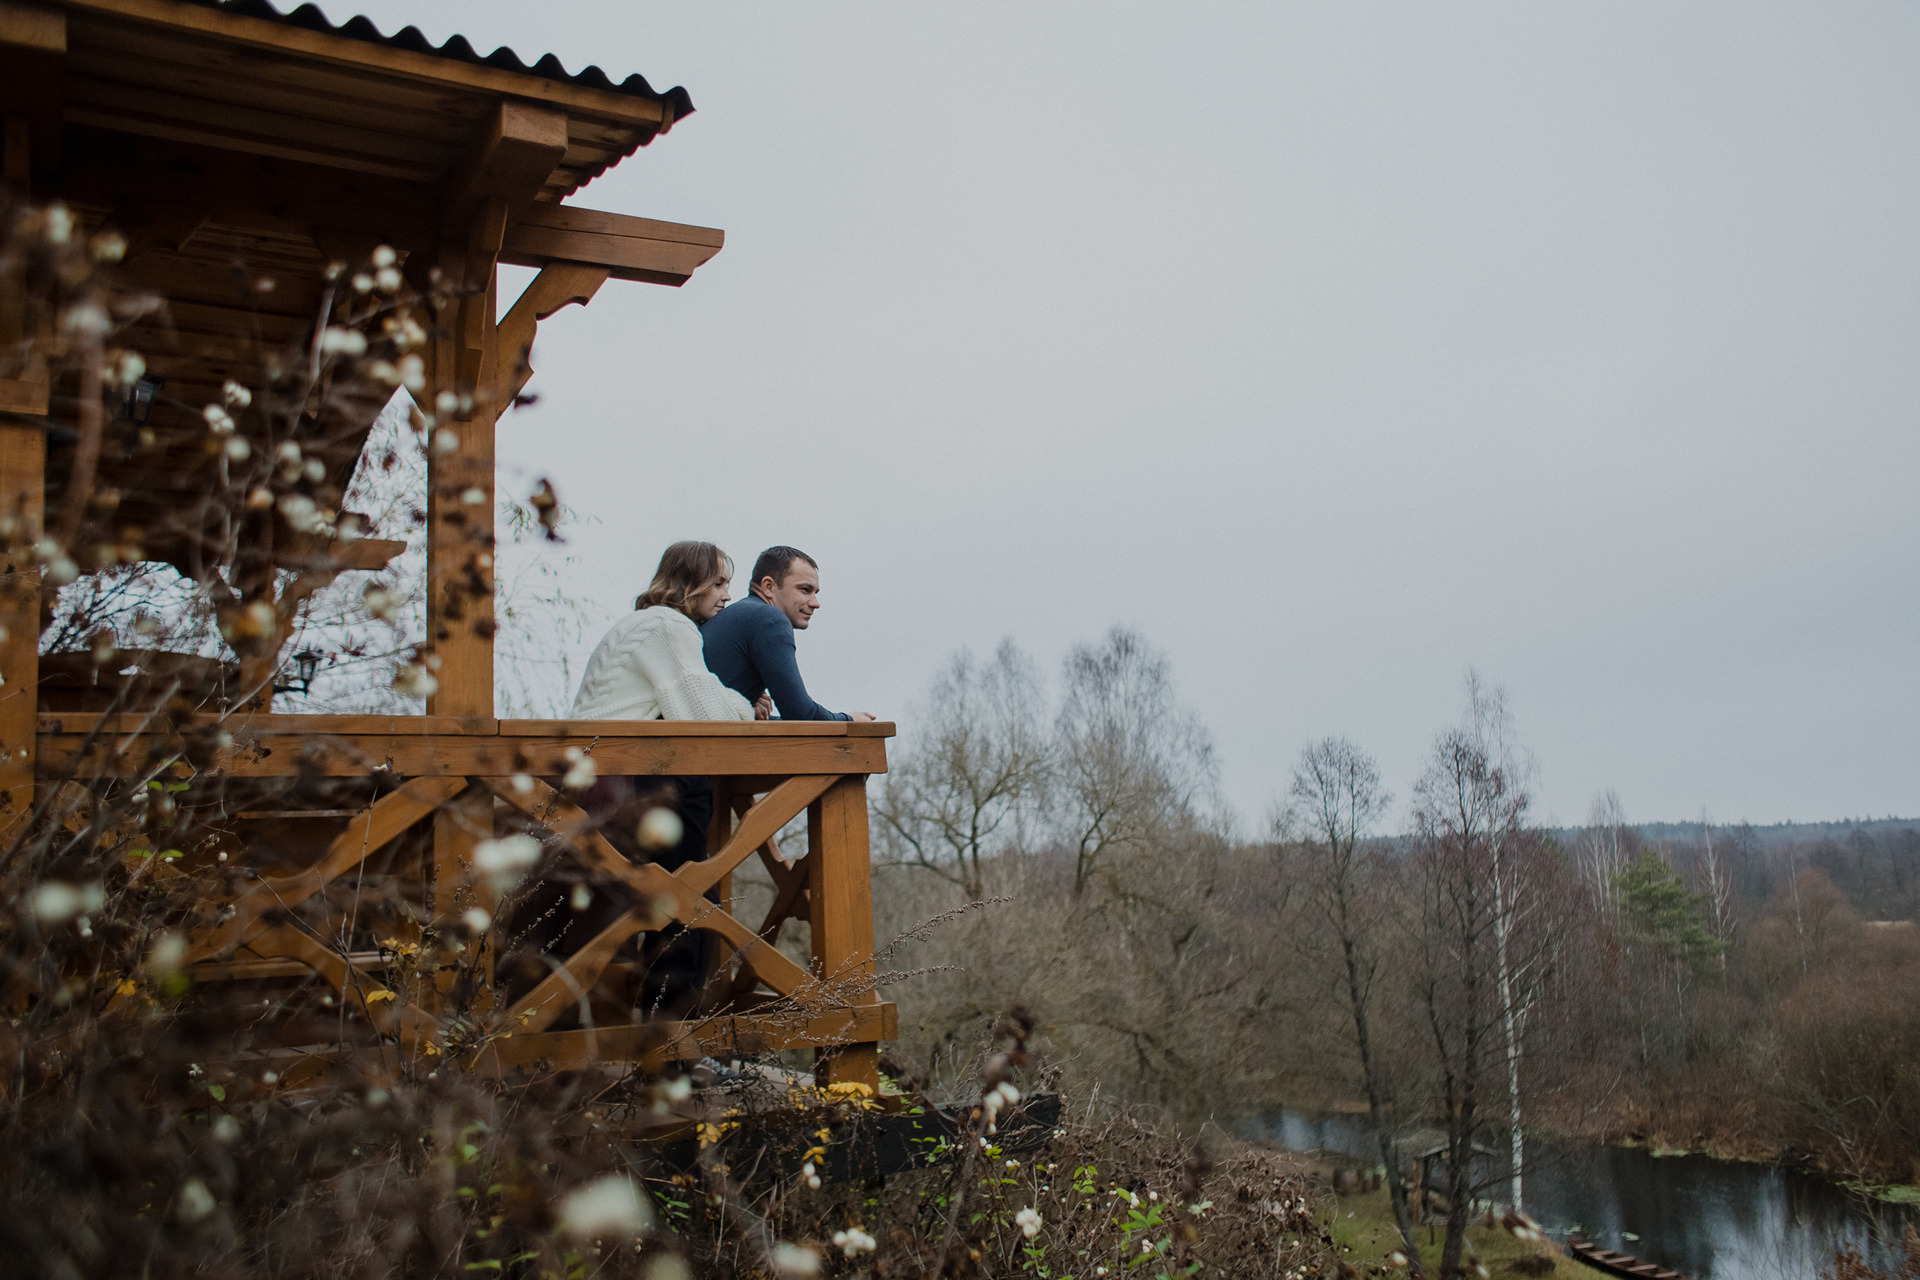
{"x":1335,"y":347}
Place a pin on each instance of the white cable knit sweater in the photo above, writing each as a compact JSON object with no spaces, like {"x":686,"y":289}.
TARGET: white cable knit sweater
{"x":650,"y":666}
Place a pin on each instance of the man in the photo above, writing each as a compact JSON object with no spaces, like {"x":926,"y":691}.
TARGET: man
{"x":749,"y":644}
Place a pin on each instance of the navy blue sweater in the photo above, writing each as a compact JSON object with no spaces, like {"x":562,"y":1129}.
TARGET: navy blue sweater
{"x":749,"y":645}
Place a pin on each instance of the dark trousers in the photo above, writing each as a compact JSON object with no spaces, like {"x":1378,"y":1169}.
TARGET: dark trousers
{"x":675,"y":959}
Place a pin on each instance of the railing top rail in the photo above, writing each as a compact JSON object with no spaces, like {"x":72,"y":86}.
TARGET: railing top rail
{"x":257,"y":724}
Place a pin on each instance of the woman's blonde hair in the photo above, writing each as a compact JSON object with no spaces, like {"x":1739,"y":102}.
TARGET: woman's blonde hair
{"x":686,"y":569}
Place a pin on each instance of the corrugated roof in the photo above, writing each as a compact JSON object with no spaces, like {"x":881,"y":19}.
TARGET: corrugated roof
{"x":413,"y":40}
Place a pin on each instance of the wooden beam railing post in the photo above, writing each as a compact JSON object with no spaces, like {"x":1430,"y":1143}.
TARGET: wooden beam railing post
{"x":505,"y":172}
{"x":840,"y":886}
{"x":456,"y":771}
{"x":23,"y":470}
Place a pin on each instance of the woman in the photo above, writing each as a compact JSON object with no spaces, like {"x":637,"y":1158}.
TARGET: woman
{"x":650,"y":666}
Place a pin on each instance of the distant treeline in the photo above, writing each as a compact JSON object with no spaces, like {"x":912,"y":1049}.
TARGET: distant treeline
{"x":1874,"y":862}
{"x":1731,"y":987}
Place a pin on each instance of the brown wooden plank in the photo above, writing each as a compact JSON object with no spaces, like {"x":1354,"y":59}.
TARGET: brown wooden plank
{"x":569,"y":983}
{"x":840,"y":894}
{"x":605,"y":729}
{"x":208,"y":72}
{"x":24,"y":395}
{"x":789,"y":891}
{"x":22,"y":490}
{"x":22,"y":27}
{"x":386,"y":818}
{"x":727,"y":1036}
{"x":559,"y":284}
{"x":414,"y":1026}
{"x":521,"y":146}
{"x":653,"y":884}
{"x":412,"y":755}
{"x":184,"y":54}
{"x":183,"y":316}
{"x":106,"y":170}
{"x":242,"y":969}
{"x":267,"y":725}
{"x":761,"y":824}
{"x":285,"y":41}
{"x":121,"y":120}
{"x":305,"y":129}
{"x":597,"y":222}
{"x":336,"y":556}
{"x":668,"y":262}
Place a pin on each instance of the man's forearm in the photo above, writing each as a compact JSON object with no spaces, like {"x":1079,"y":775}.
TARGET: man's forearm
{"x":781,"y":670}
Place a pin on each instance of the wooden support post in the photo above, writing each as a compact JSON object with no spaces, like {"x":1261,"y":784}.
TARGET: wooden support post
{"x":460,"y":533}
{"x":507,"y":170}
{"x":23,"y":471}
{"x":23,"y":367}
{"x":559,"y":284}
{"x":840,"y":885}
{"x":33,"y":45}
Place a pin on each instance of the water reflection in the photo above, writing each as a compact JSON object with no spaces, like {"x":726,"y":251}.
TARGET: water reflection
{"x":1711,"y":1219}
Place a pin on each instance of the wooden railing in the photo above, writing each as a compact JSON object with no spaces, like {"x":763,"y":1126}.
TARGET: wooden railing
{"x":443,"y":785}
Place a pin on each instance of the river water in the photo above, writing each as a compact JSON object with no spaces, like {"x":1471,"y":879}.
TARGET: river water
{"x":1706,"y":1218}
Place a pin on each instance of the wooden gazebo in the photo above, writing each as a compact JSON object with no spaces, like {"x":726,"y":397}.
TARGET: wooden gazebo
{"x":242,"y":154}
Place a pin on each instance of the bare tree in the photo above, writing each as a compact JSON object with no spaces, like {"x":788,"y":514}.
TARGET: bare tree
{"x":1719,"y":889}
{"x":1603,"y":847}
{"x":1334,"y":800}
{"x":974,"y":770}
{"x":1132,"y":760}
{"x":1485,"y":954}
{"x":1503,"y":800}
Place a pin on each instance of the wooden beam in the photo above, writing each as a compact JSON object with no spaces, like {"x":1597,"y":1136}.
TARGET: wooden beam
{"x":523,"y":144}
{"x":512,"y":161}
{"x":386,"y":818}
{"x":23,"y":470}
{"x":315,"y":564}
{"x":697,"y":729}
{"x":569,"y":983}
{"x":559,"y":284}
{"x":630,"y":248}
{"x":665,"y":891}
{"x":306,"y":552}
{"x":283,"y":40}
{"x":230,"y":126}
{"x":760,"y":824}
{"x":291,"y":726}
{"x":460,"y":499}
{"x":33,"y":53}
{"x":416,"y":1027}
{"x":840,"y":890}
{"x":727,"y":1036}
{"x":251,"y":193}
{"x":275,"y":746}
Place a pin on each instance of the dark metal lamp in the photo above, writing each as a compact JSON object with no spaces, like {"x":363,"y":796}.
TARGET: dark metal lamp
{"x":305,"y":664}
{"x":140,"y":400}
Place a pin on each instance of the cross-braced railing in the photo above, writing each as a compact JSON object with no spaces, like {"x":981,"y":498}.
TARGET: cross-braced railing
{"x":389,"y":903}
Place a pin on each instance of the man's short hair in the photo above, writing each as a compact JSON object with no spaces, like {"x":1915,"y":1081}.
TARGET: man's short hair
{"x":777,"y":563}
